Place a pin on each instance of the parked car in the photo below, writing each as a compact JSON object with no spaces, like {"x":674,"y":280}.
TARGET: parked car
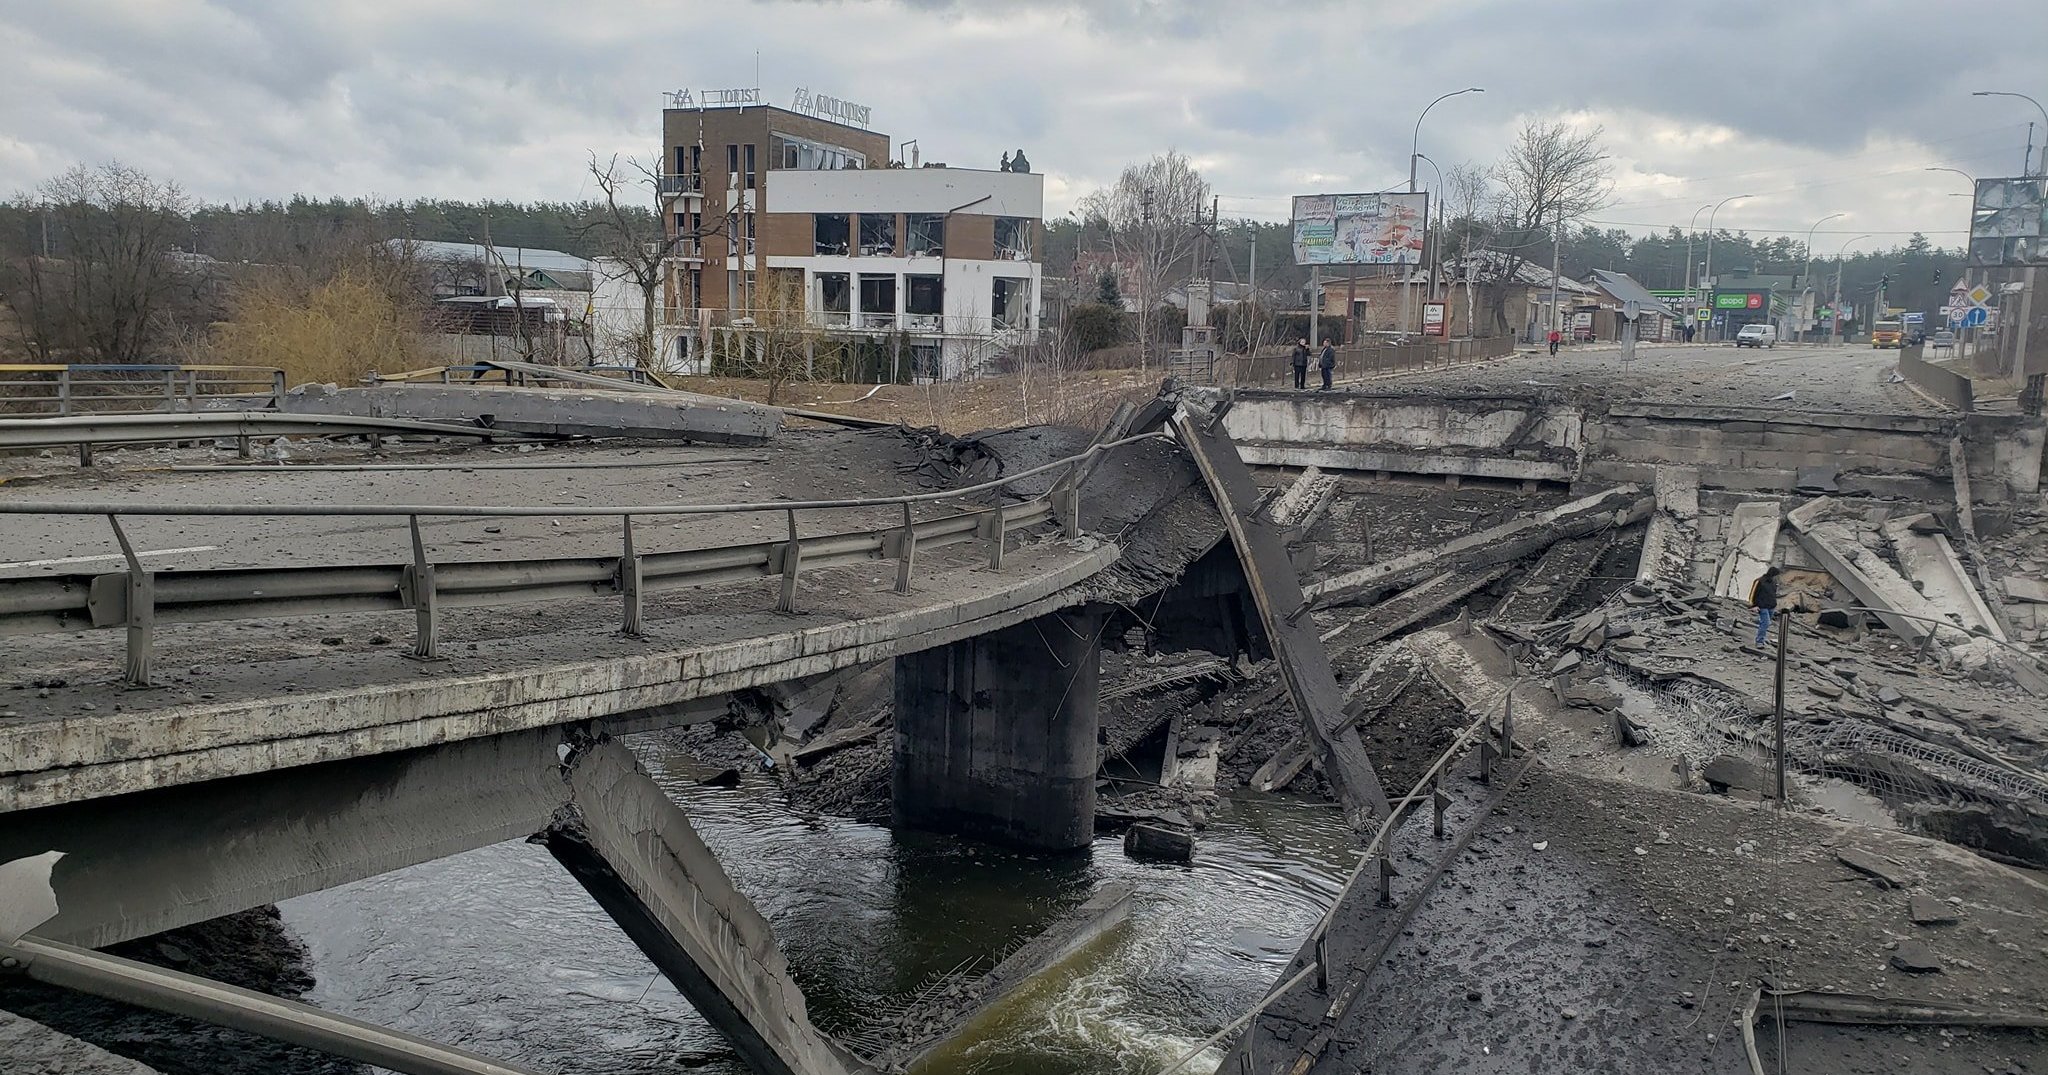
{"x":1757,"y":336}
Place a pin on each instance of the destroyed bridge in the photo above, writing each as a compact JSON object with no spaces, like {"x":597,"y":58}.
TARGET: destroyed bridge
{"x":167,"y":757}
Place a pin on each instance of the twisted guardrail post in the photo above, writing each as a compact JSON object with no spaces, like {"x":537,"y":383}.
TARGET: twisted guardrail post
{"x":425,"y":601}
{"x":141,"y":610}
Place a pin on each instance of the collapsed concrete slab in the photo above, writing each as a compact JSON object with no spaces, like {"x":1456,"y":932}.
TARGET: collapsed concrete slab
{"x":1752,"y":540}
{"x":1674,"y":529}
{"x":1276,"y":592}
{"x":1929,"y":562}
{"x":573,"y":413}
{"x":636,"y":854}
{"x":1498,"y":545}
{"x":1834,"y":545}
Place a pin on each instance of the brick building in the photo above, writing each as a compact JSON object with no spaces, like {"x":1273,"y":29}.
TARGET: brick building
{"x":944,"y":262}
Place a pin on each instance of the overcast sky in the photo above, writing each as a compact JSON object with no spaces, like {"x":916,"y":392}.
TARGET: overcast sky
{"x":1813,"y":107}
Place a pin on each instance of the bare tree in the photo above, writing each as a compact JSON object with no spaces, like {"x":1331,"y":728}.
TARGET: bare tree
{"x":641,"y":242}
{"x":1466,"y":195}
{"x":781,"y":345}
{"x":1551,"y":173}
{"x":1150,"y":215}
{"x":102,"y":281}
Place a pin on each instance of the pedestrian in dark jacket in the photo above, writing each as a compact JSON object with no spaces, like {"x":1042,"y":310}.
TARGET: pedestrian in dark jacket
{"x":1327,"y":362}
{"x":1300,"y":360}
{"x":1763,"y":596}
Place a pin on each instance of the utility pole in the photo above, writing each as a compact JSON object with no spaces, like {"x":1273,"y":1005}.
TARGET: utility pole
{"x":1556,"y":253}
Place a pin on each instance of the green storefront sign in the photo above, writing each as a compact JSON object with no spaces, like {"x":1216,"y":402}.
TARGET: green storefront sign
{"x":1738,"y":300}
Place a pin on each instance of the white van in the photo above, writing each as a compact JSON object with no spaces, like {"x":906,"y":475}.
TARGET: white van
{"x":1757,"y":336}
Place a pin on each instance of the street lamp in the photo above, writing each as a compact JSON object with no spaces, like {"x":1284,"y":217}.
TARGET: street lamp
{"x":2037,"y":107}
{"x":1435,"y":242}
{"x":1710,"y":232}
{"x":1415,"y":143}
{"x":1835,"y":323}
{"x":1415,"y":152}
{"x":1958,"y":171}
{"x":1692,"y":279}
{"x":1806,"y":277}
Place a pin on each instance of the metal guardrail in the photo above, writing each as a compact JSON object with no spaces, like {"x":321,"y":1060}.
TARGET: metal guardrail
{"x":99,"y":388}
{"x":87,"y":431}
{"x":1364,"y":363}
{"x":139,"y":598}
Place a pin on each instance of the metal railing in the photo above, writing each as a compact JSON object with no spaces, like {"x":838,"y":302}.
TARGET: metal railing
{"x":138,"y":598}
{"x":101,"y":388}
{"x":1367,"y":362}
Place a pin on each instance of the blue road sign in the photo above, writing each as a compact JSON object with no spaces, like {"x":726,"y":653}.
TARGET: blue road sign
{"x":1975,"y":316}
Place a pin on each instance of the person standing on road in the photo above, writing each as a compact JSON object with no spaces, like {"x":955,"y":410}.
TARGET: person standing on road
{"x":1300,"y":360}
{"x":1763,"y":596}
{"x":1555,"y":336}
{"x":1327,"y":362}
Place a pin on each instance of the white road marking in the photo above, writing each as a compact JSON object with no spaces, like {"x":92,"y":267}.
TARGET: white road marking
{"x":107,"y":556}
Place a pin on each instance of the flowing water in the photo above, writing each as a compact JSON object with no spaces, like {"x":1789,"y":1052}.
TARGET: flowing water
{"x":499,"y":951}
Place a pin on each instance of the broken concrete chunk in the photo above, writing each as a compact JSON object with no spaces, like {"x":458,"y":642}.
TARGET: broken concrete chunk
{"x":1817,"y":479}
{"x":1915,"y":958}
{"x":1824,"y":689}
{"x":1925,"y":523}
{"x":1146,"y":840}
{"x":1883,"y":871}
{"x":2021,"y":588}
{"x":1928,"y":911}
{"x":1888,"y":696}
{"x":1589,"y":696}
{"x":1565,"y":664}
{"x":1728,"y":773}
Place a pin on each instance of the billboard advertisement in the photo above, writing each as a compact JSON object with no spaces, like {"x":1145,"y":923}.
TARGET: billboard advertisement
{"x":1435,"y":321}
{"x":1359,"y":229}
{"x":2009,"y":222}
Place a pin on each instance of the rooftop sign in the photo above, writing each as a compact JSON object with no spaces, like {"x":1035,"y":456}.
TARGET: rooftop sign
{"x":702,"y":99}
{"x":832,"y":108}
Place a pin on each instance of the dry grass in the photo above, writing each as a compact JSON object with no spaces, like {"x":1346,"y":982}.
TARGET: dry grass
{"x":337,"y":331}
{"x":1084,"y":398}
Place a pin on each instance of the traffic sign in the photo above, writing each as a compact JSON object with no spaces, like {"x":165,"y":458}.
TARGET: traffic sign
{"x":1980,"y":295}
{"x":1977,"y":315}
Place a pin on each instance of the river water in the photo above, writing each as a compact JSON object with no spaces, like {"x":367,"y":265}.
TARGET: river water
{"x":499,"y":951}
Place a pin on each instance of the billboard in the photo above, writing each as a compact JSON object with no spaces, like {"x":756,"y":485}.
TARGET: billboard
{"x":1359,"y":229}
{"x":2009,"y":222}
{"x":1435,"y":321}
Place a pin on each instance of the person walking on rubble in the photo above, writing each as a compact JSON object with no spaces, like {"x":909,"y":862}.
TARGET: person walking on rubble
{"x":1763,"y":596}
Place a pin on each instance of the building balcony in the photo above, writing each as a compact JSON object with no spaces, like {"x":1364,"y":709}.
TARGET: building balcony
{"x":676,"y":186}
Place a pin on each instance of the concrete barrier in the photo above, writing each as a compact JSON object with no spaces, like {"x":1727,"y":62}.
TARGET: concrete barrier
{"x":1950,"y":388}
{"x":589,"y":412}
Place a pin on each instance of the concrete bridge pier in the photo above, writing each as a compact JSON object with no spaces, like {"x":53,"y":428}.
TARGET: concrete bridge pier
{"x":995,"y":735}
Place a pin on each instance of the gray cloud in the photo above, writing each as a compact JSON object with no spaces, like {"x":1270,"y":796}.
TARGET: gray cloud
{"x":1813,"y":108}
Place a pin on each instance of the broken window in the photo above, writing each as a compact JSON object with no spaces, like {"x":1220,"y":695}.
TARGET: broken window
{"x":878,"y":300}
{"x":924,"y":303}
{"x":1010,"y":302}
{"x":877,"y":234}
{"x":1013,"y":238}
{"x":925,"y":235}
{"x":834,"y":294}
{"x":830,"y":231}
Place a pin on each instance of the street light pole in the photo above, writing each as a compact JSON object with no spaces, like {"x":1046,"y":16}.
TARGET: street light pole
{"x":1710,"y":235}
{"x":1806,"y":278}
{"x":1434,"y":243}
{"x":1835,"y":323}
{"x":1414,"y":152}
{"x":1692,"y":295}
{"x":2029,"y":100}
